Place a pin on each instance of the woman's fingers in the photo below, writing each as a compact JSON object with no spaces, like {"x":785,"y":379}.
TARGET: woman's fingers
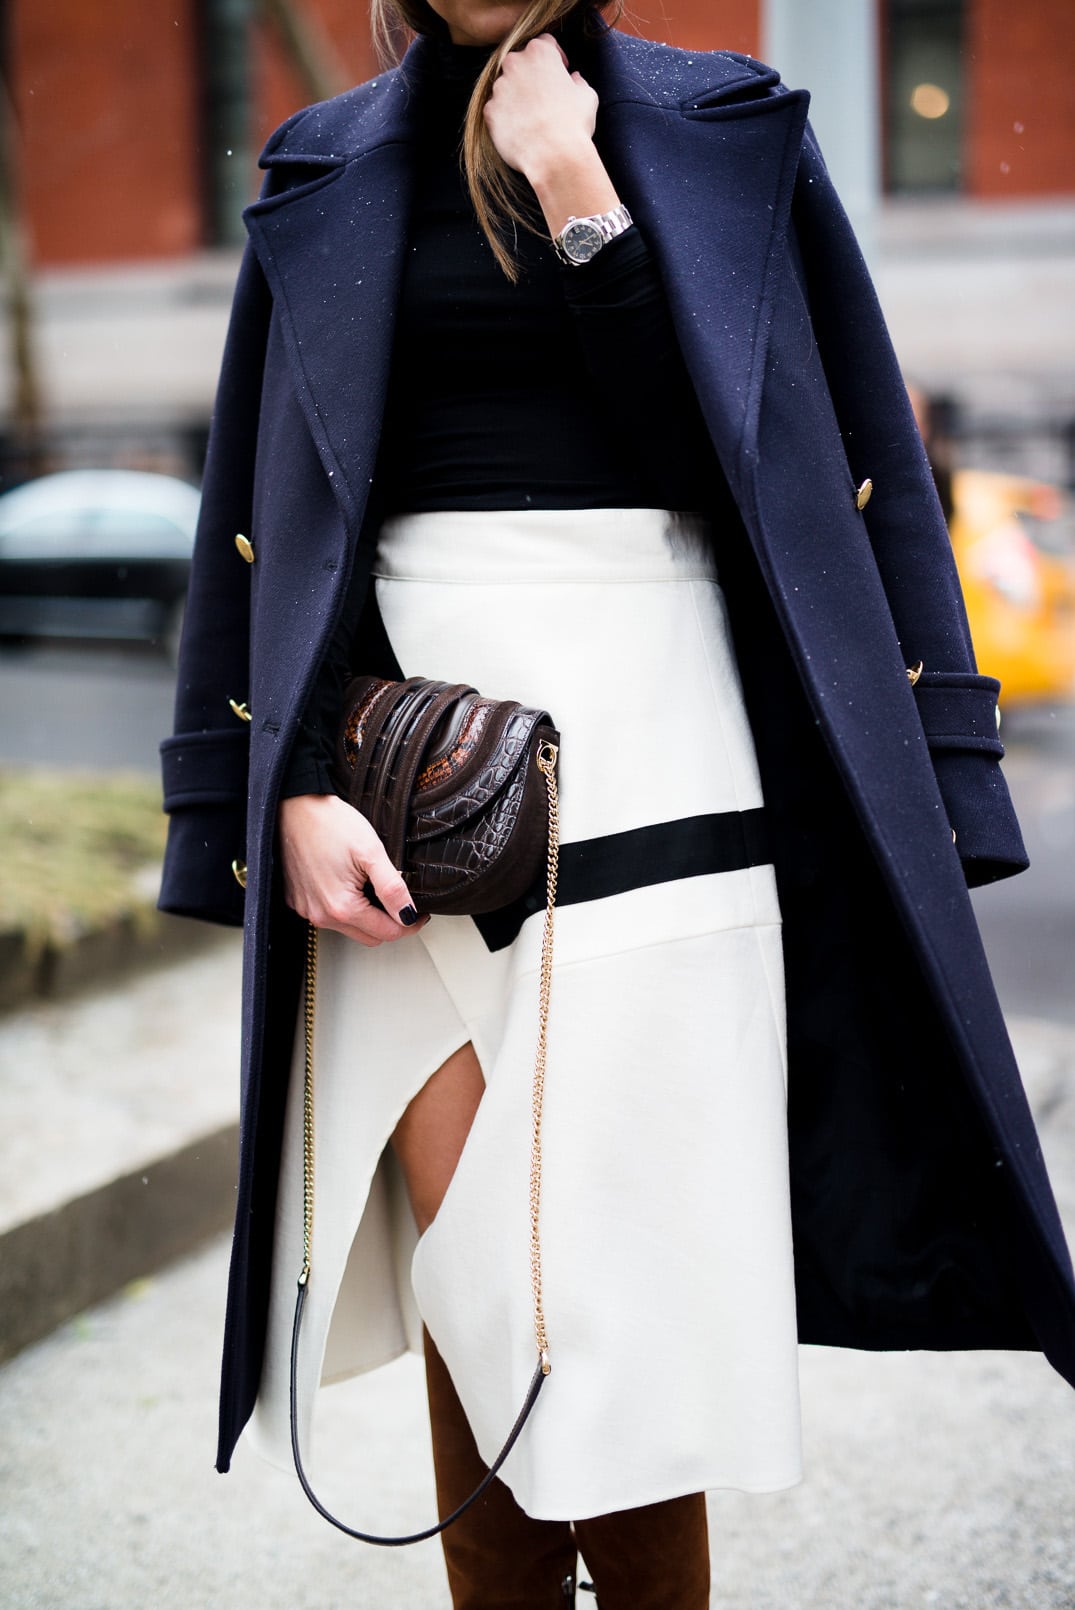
{"x":370,"y":927}
{"x":330,"y":855}
{"x":347,"y":909}
{"x":389,"y":886}
{"x":539,"y":113}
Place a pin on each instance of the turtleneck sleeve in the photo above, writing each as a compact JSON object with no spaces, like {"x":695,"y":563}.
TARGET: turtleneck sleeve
{"x":631,"y":350}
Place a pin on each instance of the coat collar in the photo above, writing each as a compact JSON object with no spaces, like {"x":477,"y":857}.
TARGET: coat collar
{"x":702,"y":146}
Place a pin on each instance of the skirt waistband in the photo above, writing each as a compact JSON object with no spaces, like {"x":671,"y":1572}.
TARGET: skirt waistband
{"x":546,"y":545}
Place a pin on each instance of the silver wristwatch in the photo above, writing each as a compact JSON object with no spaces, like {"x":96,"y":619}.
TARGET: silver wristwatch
{"x":582,"y":238}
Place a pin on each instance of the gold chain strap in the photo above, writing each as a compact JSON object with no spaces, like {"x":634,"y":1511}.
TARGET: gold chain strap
{"x":310,"y":1009}
{"x":546,"y":760}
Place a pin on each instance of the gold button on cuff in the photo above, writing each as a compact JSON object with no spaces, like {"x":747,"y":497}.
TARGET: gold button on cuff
{"x":864,"y":494}
{"x":239,"y":870}
{"x":914,"y":672}
{"x":240,"y":710}
{"x":245,"y":547}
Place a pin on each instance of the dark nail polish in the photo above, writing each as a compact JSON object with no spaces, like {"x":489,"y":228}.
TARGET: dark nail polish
{"x":408,"y":916}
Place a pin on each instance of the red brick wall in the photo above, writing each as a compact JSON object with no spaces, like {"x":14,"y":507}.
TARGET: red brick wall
{"x":700,"y":24}
{"x":1020,"y":66}
{"x":107,"y":96}
{"x":106,"y":100}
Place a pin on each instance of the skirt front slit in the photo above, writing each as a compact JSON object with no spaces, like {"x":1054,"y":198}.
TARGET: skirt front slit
{"x":665,"y":1223}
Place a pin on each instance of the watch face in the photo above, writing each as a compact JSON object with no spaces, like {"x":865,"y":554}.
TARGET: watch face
{"x":581,"y":241}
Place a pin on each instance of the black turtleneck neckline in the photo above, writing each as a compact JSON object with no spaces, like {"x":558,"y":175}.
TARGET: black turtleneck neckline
{"x":457,"y":64}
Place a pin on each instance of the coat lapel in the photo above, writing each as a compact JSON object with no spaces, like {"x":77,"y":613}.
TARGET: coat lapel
{"x":708,"y":172}
{"x":332,"y":251}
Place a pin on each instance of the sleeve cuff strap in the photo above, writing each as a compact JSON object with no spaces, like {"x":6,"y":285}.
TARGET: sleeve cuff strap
{"x":958,"y":710}
{"x":204,"y":768}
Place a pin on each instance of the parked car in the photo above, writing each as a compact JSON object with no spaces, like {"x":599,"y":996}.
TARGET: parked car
{"x":1014,"y":543}
{"x":96,"y":554}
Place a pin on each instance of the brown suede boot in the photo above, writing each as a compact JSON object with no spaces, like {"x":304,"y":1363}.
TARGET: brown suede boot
{"x":653,"y":1558}
{"x":498,"y":1558}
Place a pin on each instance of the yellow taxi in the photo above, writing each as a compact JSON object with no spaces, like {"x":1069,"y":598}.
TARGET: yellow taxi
{"x":1014,"y":544}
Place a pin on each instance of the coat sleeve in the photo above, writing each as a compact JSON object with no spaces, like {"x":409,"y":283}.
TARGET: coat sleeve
{"x":956,"y":704}
{"x":205,"y":762}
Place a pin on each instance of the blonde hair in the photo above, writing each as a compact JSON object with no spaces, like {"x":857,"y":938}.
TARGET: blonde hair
{"x":495,"y":190}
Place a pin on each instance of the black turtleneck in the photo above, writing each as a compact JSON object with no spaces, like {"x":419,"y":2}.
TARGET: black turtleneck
{"x":533,"y":395}
{"x":566,"y":390}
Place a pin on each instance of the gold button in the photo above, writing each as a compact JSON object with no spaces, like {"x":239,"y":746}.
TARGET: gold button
{"x":240,"y":710}
{"x":862,"y":496}
{"x":245,"y":547}
{"x":914,"y":672}
{"x":239,"y":869}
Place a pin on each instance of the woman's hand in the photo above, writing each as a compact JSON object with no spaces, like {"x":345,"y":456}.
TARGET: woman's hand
{"x":541,"y":119}
{"x":329,"y":853}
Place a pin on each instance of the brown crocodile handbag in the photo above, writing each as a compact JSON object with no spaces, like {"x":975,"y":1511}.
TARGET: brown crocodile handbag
{"x":462,"y":791}
{"x":455,"y":786}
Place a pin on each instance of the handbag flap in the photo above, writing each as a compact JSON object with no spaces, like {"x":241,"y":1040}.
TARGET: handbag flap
{"x":455,"y":785}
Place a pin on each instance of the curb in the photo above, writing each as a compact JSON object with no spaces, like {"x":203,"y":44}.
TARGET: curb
{"x":55,"y":1265}
{"x":142,"y":938}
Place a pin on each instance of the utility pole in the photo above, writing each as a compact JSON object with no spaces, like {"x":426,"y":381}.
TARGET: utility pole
{"x":830,"y":47}
{"x":26,"y":405}
{"x":307,"y":47}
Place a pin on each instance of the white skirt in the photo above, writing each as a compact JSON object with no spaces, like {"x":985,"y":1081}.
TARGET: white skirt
{"x":665,"y":1221}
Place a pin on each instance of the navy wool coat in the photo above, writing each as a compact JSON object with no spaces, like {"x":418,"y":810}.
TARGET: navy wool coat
{"x":923,"y":1216}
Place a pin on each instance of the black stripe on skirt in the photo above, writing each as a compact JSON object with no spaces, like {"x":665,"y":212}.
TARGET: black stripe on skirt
{"x":593,"y":869}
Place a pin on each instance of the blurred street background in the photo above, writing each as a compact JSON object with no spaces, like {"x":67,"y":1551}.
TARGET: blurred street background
{"x":128,"y":142}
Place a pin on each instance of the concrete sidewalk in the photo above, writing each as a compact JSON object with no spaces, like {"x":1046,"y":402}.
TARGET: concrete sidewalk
{"x":932,"y":1480}
{"x":117,"y":1134}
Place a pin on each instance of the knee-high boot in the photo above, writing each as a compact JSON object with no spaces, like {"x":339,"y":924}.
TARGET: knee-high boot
{"x":498,"y":1558}
{"x":653,"y":1558}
